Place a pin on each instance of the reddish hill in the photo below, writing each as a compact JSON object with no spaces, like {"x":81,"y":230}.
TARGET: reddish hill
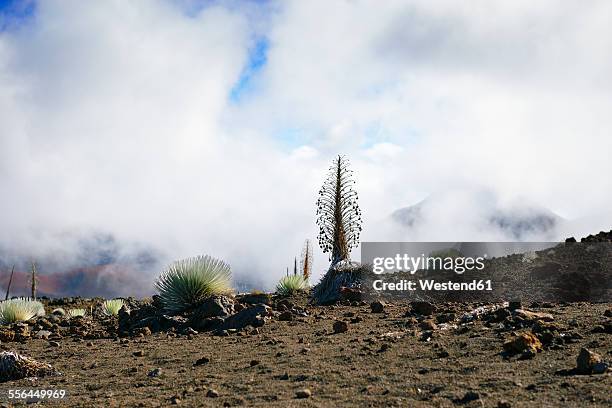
{"x":105,"y":280}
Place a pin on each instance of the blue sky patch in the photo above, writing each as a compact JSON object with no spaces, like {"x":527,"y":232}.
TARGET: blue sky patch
{"x":258,"y":56}
{"x":14,"y":13}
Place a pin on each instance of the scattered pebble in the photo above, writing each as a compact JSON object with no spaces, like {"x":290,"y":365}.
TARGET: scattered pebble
{"x":305,"y":393}
{"x":201,"y":361}
{"x":428,"y":325}
{"x":212,"y":393}
{"x":340,"y":326}
{"x":156,"y":372}
{"x":377,"y":306}
{"x":423,"y":308}
{"x":138,"y":353}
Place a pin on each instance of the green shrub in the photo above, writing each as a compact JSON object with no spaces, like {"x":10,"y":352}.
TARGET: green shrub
{"x":291,"y":284}
{"x":78,"y":312}
{"x":112,"y":307}
{"x":188,"y":282}
{"x":20,"y":309}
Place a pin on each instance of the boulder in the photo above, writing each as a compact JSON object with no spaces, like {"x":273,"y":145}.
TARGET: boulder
{"x":215,"y":306}
{"x":254,"y":316}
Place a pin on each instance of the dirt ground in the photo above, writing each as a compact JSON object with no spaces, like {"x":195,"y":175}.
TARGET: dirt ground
{"x":382,"y":360}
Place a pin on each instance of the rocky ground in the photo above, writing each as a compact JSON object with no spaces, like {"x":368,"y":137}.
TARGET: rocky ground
{"x":289,"y":353}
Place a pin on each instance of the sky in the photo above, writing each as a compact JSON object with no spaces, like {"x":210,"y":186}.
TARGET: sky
{"x":199,"y":127}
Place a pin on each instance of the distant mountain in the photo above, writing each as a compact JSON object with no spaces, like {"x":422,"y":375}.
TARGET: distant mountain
{"x":480,"y":214}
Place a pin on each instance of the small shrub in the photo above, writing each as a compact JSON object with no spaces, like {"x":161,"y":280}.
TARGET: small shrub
{"x":20,"y":309}
{"x":188,"y":282}
{"x":288,"y":285}
{"x":112,"y":307}
{"x":79,"y":312}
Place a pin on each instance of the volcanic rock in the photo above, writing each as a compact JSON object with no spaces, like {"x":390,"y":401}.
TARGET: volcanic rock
{"x":523,"y":342}
{"x":305,"y":393}
{"x":586,"y":361}
{"x":215,"y":306}
{"x":377,"y":306}
{"x":423,"y":308}
{"x":533,"y":316}
{"x":340,"y":326}
{"x":428,"y":325}
{"x":254,"y":316}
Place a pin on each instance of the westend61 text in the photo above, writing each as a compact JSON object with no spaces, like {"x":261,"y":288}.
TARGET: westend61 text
{"x":431,"y":284}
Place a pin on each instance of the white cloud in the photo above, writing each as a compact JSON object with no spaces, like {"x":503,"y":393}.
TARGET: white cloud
{"x":116,"y":116}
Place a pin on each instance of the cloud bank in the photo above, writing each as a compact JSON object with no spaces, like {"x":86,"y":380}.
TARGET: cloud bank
{"x":193,"y":127}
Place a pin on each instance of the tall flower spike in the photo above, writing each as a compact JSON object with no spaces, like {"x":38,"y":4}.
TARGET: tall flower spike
{"x":338,"y":214}
{"x":306,"y":261}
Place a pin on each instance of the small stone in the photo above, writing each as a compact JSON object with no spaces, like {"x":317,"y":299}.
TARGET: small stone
{"x":145,"y":331}
{"x":285,"y":316}
{"x":504,"y":404}
{"x":89,"y":344}
{"x":156,"y":372}
{"x":54,"y":344}
{"x":515,"y":305}
{"x":428,"y":325}
{"x":201,"y":361}
{"x":305,"y":393}
{"x":138,"y":353}
{"x":212,"y":393}
{"x":468,"y":397}
{"x":377,"y":306}
{"x":253,"y":363}
{"x":340,"y":326}
{"x":384,"y":347}
{"x":423,"y":308}
{"x":586,"y":361}
{"x":608,"y":313}
{"x":175,"y":400}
